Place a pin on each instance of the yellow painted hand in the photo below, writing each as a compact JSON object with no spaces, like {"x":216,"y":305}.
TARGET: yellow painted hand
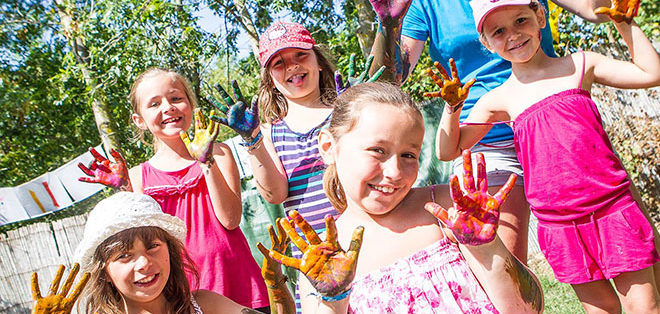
{"x":621,"y":10}
{"x":328,"y":267}
{"x":451,"y":90}
{"x":201,"y":147}
{"x":54,"y":302}
{"x":270,"y":268}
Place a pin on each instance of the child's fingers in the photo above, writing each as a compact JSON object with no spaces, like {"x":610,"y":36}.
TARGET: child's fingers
{"x":356,"y":240}
{"x":224,"y":95}
{"x":455,"y":191}
{"x":437,"y":211}
{"x":454,"y":71}
{"x":331,"y":230}
{"x":339,"y":81}
{"x":272,"y":235}
{"x":96,"y":155}
{"x":34,"y":282}
{"x":237,"y":92}
{"x":214,"y":103}
{"x":442,"y":70}
{"x":185,"y":138}
{"x":307,"y":230}
{"x":438,"y":81}
{"x":283,"y":259}
{"x":503,"y":193}
{"x":117,"y":156}
{"x":432,"y":94}
{"x":482,"y":177}
{"x":56,"y":281}
{"x":254,"y":107}
{"x":103,"y":168}
{"x":293,"y":235}
{"x":283,"y":239}
{"x":85,"y":170}
{"x":79,"y":287}
{"x":468,"y":85}
{"x":351,"y":65}
{"x":377,"y":74}
{"x":468,"y":174}
{"x":264,"y":251}
{"x":88,"y":179}
{"x":69,"y":280}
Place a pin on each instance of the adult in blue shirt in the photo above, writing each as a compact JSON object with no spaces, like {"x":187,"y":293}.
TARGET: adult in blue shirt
{"x":449,"y":26}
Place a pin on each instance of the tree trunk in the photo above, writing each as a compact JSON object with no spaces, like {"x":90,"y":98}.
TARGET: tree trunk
{"x":248,"y":26}
{"x":366,"y":31}
{"x":109,"y":136}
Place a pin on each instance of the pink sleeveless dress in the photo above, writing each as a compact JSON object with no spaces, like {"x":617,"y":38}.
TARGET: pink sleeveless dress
{"x":222,"y":256}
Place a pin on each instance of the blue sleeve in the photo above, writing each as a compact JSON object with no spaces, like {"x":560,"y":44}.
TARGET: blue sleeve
{"x":414,"y":23}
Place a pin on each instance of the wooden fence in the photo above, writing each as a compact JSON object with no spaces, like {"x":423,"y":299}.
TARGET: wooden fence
{"x":42,"y":247}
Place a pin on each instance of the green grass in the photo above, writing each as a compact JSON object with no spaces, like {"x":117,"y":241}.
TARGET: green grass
{"x":559,"y":297}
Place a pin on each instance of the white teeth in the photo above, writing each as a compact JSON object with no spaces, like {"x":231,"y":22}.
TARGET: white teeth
{"x":171,"y":120}
{"x":384,"y":189}
{"x":146,"y":279}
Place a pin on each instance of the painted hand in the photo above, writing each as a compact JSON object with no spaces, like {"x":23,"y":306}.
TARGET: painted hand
{"x":451,"y":90}
{"x":101,"y":170}
{"x":351,"y":80}
{"x":270,"y":268}
{"x":201,"y":147}
{"x":391,"y":12}
{"x":239,"y":117}
{"x":54,"y":302}
{"x":621,"y":10}
{"x":329,"y":268}
{"x":475,"y":214}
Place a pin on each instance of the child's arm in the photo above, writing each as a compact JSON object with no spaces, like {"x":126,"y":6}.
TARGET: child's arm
{"x":584,"y":8}
{"x":224,"y":185}
{"x":642,"y":72}
{"x":268,"y":170}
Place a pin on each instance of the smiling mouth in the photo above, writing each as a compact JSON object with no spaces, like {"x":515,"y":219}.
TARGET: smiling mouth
{"x":171,"y":120}
{"x":147,"y":281}
{"x":519,"y":45}
{"x":296,"y":78}
{"x":384,"y":189}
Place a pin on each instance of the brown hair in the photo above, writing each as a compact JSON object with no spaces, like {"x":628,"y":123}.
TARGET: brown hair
{"x":273,"y":105}
{"x":152,"y":72}
{"x":103,"y":297}
{"x":345,"y":116}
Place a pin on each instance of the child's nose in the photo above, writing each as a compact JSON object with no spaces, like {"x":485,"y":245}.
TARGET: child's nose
{"x":142,"y":262}
{"x":392,"y":168}
{"x":167,"y":106}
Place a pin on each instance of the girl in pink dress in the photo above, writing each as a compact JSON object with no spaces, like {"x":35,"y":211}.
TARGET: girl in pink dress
{"x":590,"y":227}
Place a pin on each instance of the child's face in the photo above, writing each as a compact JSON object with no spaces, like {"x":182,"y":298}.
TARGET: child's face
{"x":295,"y":73}
{"x":163,"y":106}
{"x":141,"y":273}
{"x":514,"y":32}
{"x":377,"y":161}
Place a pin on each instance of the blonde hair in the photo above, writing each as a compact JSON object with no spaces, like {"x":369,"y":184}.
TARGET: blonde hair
{"x":273,"y":105}
{"x":346,"y":115}
{"x":103,"y":297}
{"x":153,"y":72}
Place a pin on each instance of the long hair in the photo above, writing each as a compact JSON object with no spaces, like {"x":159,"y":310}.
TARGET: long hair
{"x":273,"y":105}
{"x":103,"y":297}
{"x":345,"y":116}
{"x":152,"y":72}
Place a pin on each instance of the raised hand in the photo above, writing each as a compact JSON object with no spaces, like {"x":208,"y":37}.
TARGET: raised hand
{"x":54,"y":302}
{"x":475,"y":214}
{"x":201,"y":146}
{"x":451,"y":90}
{"x":390,"y":12}
{"x":270,"y":268}
{"x":329,"y":268}
{"x":101,"y":170}
{"x":351,"y":80}
{"x":239,"y":117}
{"x":621,"y":10}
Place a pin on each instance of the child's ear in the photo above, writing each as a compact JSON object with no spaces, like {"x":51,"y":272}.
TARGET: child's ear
{"x":327,"y":147}
{"x":484,"y":42}
{"x":540,"y":17}
{"x":139,"y":122}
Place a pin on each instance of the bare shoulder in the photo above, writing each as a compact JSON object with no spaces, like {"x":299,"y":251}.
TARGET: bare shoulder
{"x":211,"y":302}
{"x":135,"y":175}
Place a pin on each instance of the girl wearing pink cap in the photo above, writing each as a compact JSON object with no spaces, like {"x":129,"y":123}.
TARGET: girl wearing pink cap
{"x":590,"y":227}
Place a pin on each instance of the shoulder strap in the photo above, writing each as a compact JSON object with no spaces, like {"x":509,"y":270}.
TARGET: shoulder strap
{"x":583,"y":66}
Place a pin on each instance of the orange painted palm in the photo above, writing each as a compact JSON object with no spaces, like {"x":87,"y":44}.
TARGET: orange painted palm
{"x":328,"y":267}
{"x":621,"y":10}
{"x":475,"y":215}
{"x":101,"y":170}
{"x":451,"y":90}
{"x":54,"y":302}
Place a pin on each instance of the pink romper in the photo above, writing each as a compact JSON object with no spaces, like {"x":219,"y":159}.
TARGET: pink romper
{"x":222,"y":256}
{"x":590,"y":227}
{"x":436,"y":279}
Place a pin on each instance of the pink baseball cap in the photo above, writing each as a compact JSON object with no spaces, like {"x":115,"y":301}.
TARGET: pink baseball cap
{"x":481,"y":8}
{"x":282,"y":35}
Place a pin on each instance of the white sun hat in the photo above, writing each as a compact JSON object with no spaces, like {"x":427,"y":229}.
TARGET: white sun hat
{"x":121,"y":211}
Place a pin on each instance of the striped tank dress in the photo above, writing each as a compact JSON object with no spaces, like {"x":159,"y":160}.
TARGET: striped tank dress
{"x":304,"y":167}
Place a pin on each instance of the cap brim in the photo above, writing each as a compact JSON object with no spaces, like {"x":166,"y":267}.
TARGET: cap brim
{"x":299,"y":45}
{"x":508,"y":3}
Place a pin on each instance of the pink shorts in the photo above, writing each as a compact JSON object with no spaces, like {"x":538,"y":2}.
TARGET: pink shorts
{"x":599,"y":246}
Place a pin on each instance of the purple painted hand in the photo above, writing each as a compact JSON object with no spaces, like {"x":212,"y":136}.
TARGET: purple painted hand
{"x":451,"y":90}
{"x":54,"y":302}
{"x":241,"y":118}
{"x":352,"y":81}
{"x":391,"y":12}
{"x":201,"y":146}
{"x":475,"y":214}
{"x":621,"y":10}
{"x":328,"y":267}
{"x":101,"y":170}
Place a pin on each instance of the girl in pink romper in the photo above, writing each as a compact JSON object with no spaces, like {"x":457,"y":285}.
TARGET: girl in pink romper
{"x":590,"y":227}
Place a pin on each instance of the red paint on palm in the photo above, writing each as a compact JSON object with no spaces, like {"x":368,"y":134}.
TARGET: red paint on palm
{"x":101,"y":170}
{"x":475,"y":215}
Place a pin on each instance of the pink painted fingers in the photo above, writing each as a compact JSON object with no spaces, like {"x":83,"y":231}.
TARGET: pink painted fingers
{"x":328,"y":267}
{"x":57,"y":302}
{"x":621,"y":10}
{"x":451,"y":90}
{"x":101,"y":170}
{"x":475,"y":215}
{"x":201,"y":146}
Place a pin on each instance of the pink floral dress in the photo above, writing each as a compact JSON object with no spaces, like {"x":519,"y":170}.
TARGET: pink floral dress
{"x":436,"y":279}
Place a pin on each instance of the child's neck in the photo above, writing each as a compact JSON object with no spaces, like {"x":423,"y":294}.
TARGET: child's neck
{"x":534,"y":68}
{"x":159,"y":305}
{"x":303,"y":114}
{"x":171,"y":154}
